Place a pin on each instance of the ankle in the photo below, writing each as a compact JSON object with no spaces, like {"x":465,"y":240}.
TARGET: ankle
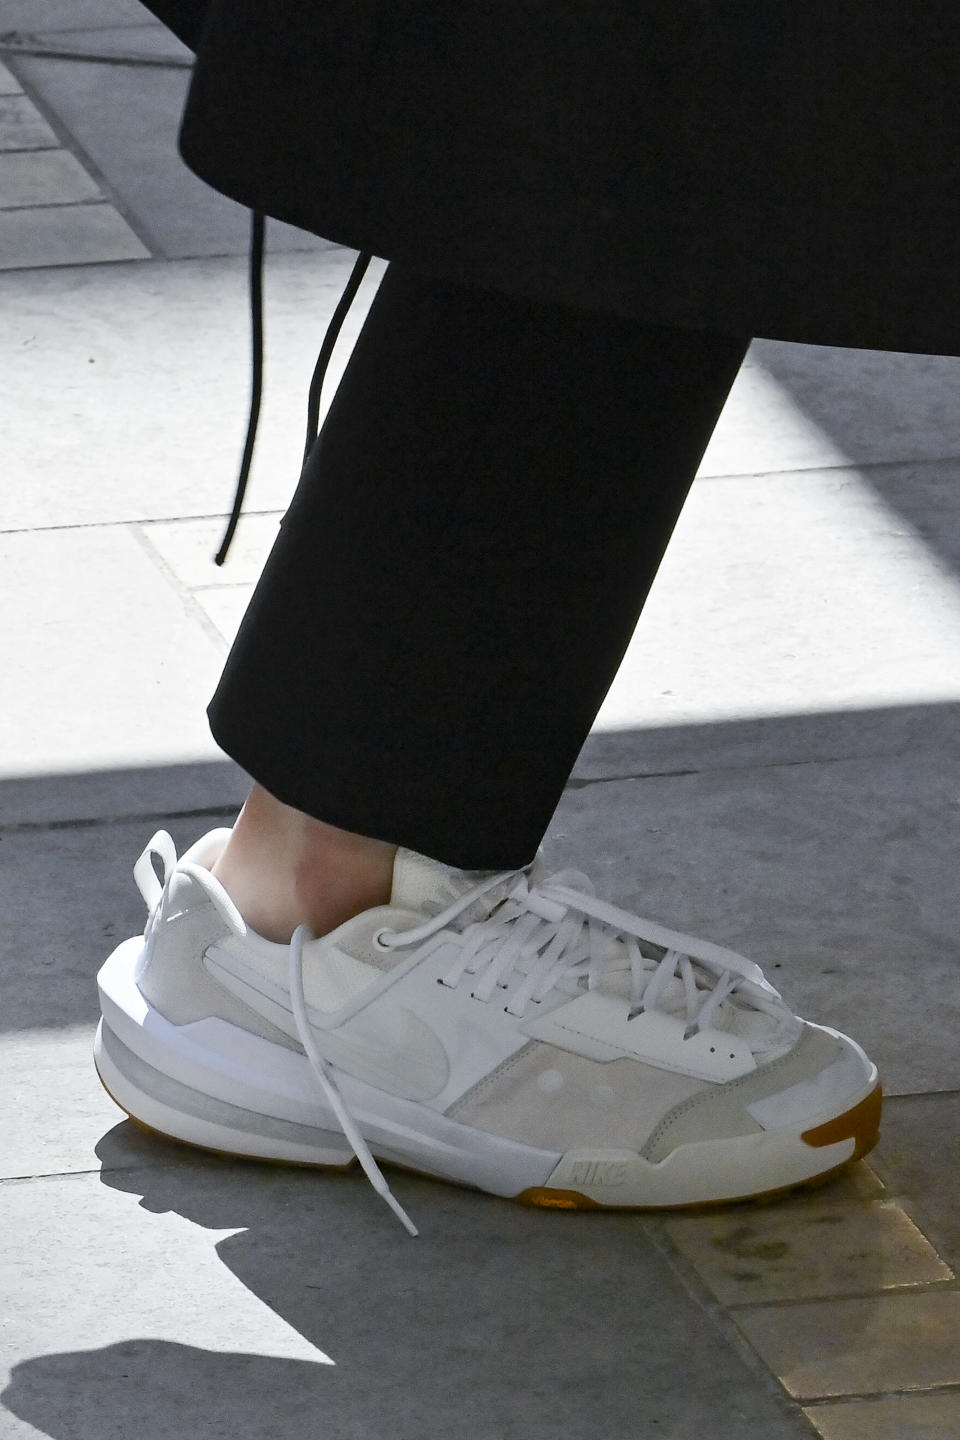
{"x":283,"y":868}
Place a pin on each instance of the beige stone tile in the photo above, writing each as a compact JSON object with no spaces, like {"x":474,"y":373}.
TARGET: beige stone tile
{"x":66,"y":235}
{"x":22,"y":127}
{"x":857,"y":1347}
{"x":802,"y":1252}
{"x":43,"y":177}
{"x":895,"y":1417}
{"x":187,"y":548}
{"x":9,"y":84}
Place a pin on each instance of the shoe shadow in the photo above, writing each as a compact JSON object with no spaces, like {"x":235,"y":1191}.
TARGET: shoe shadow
{"x":491,"y":1324}
{"x":156,"y":1390}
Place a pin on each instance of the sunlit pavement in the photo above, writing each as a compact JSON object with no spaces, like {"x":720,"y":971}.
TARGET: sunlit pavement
{"x":777,"y":767}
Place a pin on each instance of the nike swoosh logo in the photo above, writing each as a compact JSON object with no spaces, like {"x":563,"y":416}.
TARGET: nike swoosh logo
{"x":385,"y":1045}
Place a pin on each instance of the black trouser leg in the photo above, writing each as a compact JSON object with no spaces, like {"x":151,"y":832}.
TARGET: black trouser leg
{"x":463,"y":565}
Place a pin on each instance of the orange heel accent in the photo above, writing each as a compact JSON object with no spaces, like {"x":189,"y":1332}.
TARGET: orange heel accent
{"x":861,"y":1124}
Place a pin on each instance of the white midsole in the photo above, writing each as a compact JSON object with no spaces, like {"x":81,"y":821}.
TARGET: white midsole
{"x":215,"y":1059}
{"x":235,"y":1091}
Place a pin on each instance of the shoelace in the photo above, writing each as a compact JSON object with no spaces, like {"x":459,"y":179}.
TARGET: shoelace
{"x":553,"y":934}
{"x":257,"y":248}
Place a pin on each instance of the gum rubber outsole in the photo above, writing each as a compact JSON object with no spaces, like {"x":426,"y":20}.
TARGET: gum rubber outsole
{"x":860,"y":1124}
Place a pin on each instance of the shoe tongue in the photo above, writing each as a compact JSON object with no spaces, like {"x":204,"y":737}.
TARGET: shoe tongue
{"x":429,"y":886}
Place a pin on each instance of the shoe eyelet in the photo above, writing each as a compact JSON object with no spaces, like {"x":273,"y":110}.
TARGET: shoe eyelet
{"x":378,"y":942}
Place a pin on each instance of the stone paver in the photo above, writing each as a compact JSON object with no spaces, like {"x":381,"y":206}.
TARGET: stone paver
{"x":921,"y":1157}
{"x":9,"y":84}
{"x":808,"y":1251}
{"x":167,"y":347}
{"x":176,"y":213}
{"x":105,"y":667}
{"x":44,"y":177}
{"x":852,"y":1347}
{"x":64,"y":234}
{"x":895,"y":1417}
{"x":40,"y":16}
{"x":22,"y":127}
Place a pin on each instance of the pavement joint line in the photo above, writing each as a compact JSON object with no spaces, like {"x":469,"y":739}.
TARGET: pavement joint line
{"x":860,"y":467}
{"x":129,"y":521}
{"x":76,"y":265}
{"x":92,"y":202}
{"x":31,"y":150}
{"x":185,"y":592}
{"x":716,"y":1312}
{"x":216,"y":589}
{"x":92,"y":822}
{"x":835,"y":1402}
{"x":153,"y":62}
{"x":785,"y":1302}
{"x":907,"y":750}
{"x":95,"y":29}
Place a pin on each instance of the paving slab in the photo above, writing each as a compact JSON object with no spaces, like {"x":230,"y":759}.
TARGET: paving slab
{"x":141,"y":793}
{"x":43,"y":177}
{"x":9,"y":84}
{"x":834,"y":405}
{"x":837,"y":878}
{"x":68,"y":899}
{"x":22,"y":126}
{"x":497,"y":1322}
{"x":895,"y":1417}
{"x":853,"y":1347}
{"x":66,"y":234}
{"x":803,"y":1251}
{"x":53,"y":14}
{"x":127,"y":387}
{"x":56,"y":1109}
{"x":104,"y":665}
{"x":795,"y":609}
{"x":920,"y":1157}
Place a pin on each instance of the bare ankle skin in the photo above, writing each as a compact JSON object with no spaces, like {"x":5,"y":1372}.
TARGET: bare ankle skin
{"x":282,"y":868}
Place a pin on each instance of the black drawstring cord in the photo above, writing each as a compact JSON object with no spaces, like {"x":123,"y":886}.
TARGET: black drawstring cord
{"x":256,"y":316}
{"x":316,"y":384}
{"x":326,"y":350}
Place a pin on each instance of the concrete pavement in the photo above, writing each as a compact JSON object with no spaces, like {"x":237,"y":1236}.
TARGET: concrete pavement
{"x":777,"y":766}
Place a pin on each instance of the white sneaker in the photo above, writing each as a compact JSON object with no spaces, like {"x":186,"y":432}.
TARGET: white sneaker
{"x":507,"y":1031}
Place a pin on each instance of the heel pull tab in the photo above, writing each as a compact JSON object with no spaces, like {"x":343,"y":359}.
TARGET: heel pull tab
{"x":149,"y":884}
